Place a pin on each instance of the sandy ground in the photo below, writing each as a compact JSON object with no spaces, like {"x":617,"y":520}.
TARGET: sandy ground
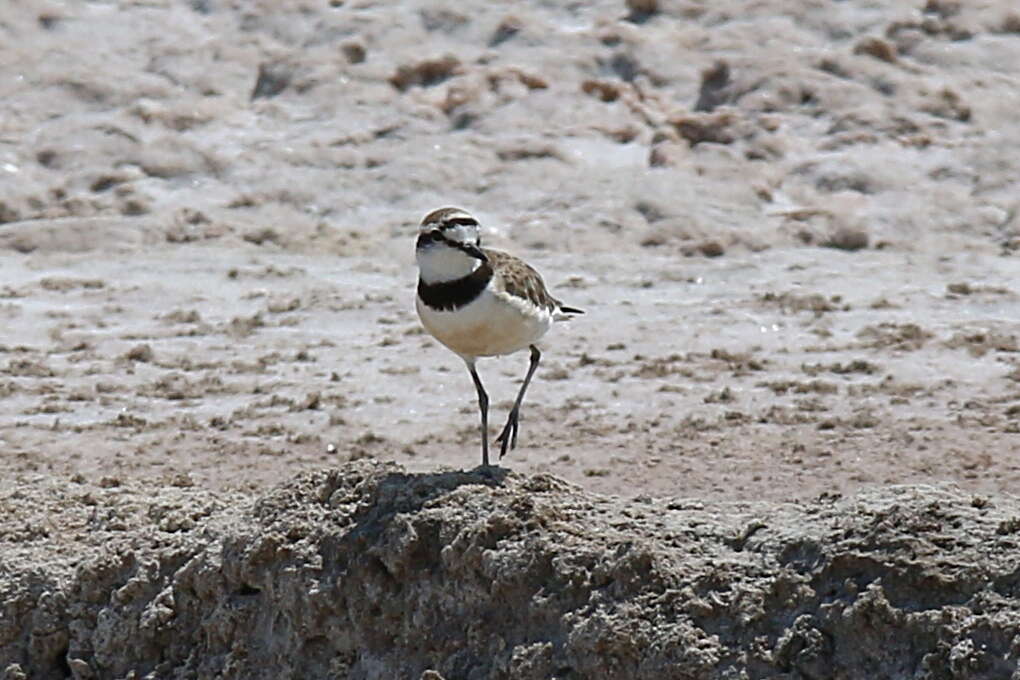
{"x":792,"y":225}
{"x":742,"y":379}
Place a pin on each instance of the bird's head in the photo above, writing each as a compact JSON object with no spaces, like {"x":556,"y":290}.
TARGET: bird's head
{"x":449,"y":243}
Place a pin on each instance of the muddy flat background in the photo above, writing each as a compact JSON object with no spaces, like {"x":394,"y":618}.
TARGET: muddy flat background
{"x":792,"y":225}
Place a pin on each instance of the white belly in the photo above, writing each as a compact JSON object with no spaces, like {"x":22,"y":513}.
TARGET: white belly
{"x":492,"y":324}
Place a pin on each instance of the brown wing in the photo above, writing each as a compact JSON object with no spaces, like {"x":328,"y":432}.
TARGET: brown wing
{"x":520,"y":279}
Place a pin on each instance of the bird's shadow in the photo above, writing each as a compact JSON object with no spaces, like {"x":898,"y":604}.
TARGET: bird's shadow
{"x":408,"y":492}
{"x":427,"y":486}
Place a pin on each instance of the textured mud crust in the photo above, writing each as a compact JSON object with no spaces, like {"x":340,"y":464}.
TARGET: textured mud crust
{"x":367,"y":571}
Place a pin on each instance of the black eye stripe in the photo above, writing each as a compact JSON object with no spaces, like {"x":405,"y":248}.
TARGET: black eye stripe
{"x":436,"y":236}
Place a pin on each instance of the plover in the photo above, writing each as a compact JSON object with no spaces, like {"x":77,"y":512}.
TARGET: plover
{"x":481,"y":303}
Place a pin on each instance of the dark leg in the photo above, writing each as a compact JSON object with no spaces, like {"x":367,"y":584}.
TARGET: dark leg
{"x":483,"y":407}
{"x":508,"y":437}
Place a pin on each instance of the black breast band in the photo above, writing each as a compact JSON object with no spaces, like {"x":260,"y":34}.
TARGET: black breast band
{"x":449,"y":296}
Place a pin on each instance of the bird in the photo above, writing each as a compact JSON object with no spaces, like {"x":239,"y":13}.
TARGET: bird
{"x":481,"y":302}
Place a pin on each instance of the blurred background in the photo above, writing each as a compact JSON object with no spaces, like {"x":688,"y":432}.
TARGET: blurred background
{"x":792,"y":224}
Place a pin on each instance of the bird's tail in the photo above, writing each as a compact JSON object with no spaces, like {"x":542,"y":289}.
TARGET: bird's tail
{"x":564,"y":313}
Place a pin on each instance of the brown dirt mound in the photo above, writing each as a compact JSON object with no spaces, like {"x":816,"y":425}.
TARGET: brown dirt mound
{"x":368,"y":571}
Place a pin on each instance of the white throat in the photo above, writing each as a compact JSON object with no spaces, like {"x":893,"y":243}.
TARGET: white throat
{"x":439,"y":262}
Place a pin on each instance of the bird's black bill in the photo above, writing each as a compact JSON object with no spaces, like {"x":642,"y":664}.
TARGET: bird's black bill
{"x":473,"y":251}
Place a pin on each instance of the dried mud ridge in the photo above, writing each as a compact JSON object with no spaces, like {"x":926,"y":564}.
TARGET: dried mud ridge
{"x":367,"y":571}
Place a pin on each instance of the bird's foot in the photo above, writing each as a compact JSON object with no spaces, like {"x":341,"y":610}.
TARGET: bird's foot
{"x":508,"y":437}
